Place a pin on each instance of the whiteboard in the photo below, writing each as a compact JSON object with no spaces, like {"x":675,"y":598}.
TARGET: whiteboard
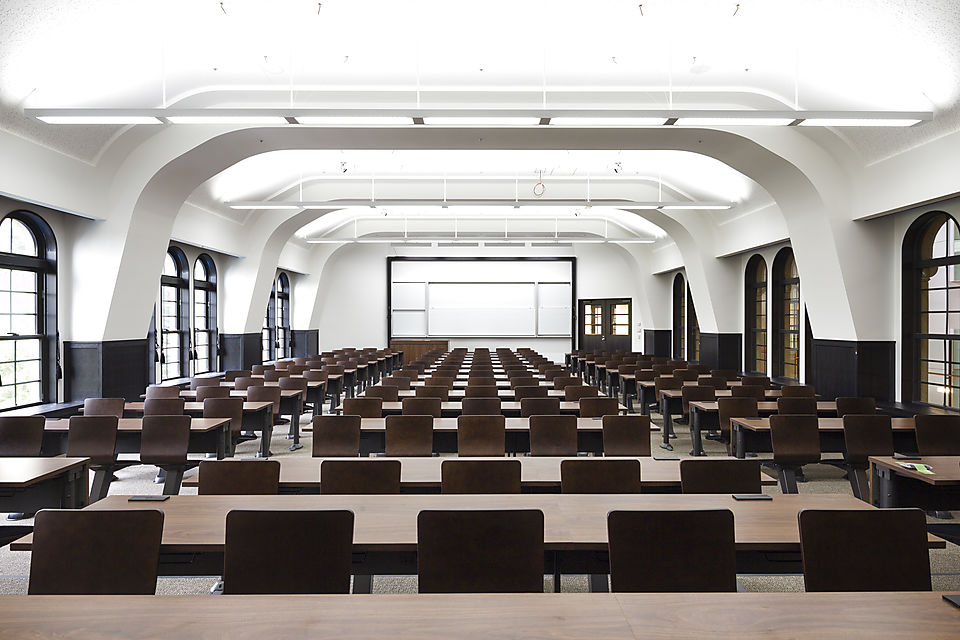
{"x":478,"y":295}
{"x":554,"y":294}
{"x":483,"y":322}
{"x":409,"y":295}
{"x":554,"y":322}
{"x":409,"y":323}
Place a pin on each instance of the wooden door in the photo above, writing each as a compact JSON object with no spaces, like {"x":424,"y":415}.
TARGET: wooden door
{"x":604,"y":325}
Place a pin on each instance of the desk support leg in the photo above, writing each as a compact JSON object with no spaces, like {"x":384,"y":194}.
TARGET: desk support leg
{"x":171,"y":486}
{"x":695,"y":434}
{"x":102,"y":477}
{"x":667,"y":423}
{"x":266,"y":436}
{"x":363,"y":584}
{"x":295,"y":428}
{"x":858,"y":483}
{"x":787,"y":477}
{"x":738,"y":442}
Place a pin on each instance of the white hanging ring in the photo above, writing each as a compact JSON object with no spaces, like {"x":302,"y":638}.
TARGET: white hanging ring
{"x":539,"y":189}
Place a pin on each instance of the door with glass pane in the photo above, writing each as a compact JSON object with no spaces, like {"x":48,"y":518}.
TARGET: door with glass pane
{"x":604,"y":325}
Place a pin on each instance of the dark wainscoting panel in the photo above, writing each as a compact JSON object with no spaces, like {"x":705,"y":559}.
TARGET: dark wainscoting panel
{"x":657,"y":342}
{"x":721,"y":350}
{"x":306,"y":342}
{"x":854,"y":368}
{"x":241,"y":350}
{"x":109,"y":369}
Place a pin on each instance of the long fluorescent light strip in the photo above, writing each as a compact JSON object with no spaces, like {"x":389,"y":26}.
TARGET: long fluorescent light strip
{"x":117,"y":119}
{"x":238,"y":119}
{"x":733,"y":122}
{"x":478,"y":121}
{"x":340,"y":204}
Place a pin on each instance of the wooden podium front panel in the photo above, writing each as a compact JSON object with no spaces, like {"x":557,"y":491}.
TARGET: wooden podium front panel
{"x":413,"y":349}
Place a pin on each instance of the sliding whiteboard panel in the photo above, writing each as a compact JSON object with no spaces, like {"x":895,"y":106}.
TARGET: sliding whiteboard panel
{"x":409,"y":295}
{"x":482,"y":309}
{"x":411,"y":324}
{"x":554,"y":312}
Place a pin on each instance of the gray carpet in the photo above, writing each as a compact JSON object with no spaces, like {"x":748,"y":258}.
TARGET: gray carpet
{"x":821,"y":478}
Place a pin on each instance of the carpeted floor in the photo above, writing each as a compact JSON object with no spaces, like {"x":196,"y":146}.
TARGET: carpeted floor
{"x":821,"y":478}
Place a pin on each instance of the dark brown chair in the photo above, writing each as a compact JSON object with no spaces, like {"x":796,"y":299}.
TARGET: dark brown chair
{"x":481,"y":435}
{"x":399,"y":382}
{"x":239,"y":477}
{"x":481,"y":381}
{"x":481,"y":391}
{"x":409,"y":374}
{"x":310,"y":552}
{"x":440,"y":381}
{"x":231,"y":375}
{"x":806,"y":406}
{"x":385,"y":393}
{"x":717,"y":382}
{"x":231,"y":408}
{"x":701,"y":369}
{"x":864,"y":550}
{"x":672,"y":551}
{"x":336,"y":436}
{"x":522,"y":381}
{"x":364,"y":407}
{"x":796,"y":442}
{"x":536,"y":391}
{"x":598,"y":407}
{"x":95,"y":437}
{"x":480,"y":551}
{"x":96,"y":552}
{"x":104,"y":407}
{"x":686,"y":375}
{"x":212,"y":392}
{"x":162,"y":391}
{"x":433,"y":391}
{"x":21,"y":436}
{"x":480,"y":407}
{"x":759,"y":381}
{"x":207,"y":381}
{"x":573,"y":393}
{"x":597,"y":475}
{"x":539,"y":407}
{"x":726,"y":374}
{"x":695,"y":393}
{"x":756,"y":392}
{"x":164,"y":443}
{"x":728,"y":408}
{"x":938,"y":435}
{"x":421,"y":407}
{"x":480,"y":476}
{"x":359,"y":477}
{"x":798,"y":391}
{"x":562,"y":382}
{"x":245,"y":382}
{"x":408,"y":435}
{"x":553,"y":435}
{"x":719,"y":476}
{"x":273,"y":375}
{"x":163,"y":406}
{"x":266,"y":394}
{"x":259,"y":369}
{"x":858,"y":406}
{"x":864,"y":436}
{"x":626,"y":435}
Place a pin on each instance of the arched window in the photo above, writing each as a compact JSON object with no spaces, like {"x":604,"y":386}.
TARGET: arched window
{"x":931,"y":311}
{"x":755,"y":320}
{"x":693,"y":330}
{"x":283,"y":316}
{"x":174,"y":315}
{"x":786,"y":282}
{"x":28,"y":311}
{"x":679,"y":314}
{"x":268,"y":335}
{"x":204,"y":315}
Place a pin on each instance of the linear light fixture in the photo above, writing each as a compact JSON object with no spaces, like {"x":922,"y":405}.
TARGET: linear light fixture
{"x":485,"y":202}
{"x":543,"y":117}
{"x":473,"y":240}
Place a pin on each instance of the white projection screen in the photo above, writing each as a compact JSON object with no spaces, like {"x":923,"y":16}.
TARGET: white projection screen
{"x":481,"y":298}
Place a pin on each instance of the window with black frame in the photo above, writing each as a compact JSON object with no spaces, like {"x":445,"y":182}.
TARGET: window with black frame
{"x":283,"y":316}
{"x":787,"y":305}
{"x":205,"y":315}
{"x":679,"y":316}
{"x":268,"y":339}
{"x":755,"y":319}
{"x":693,"y":330}
{"x":28,"y":340}
{"x":174,"y":317}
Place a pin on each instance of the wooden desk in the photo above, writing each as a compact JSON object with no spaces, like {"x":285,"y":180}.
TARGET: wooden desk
{"x":459,"y":393}
{"x":30,"y":484}
{"x":621,"y":616}
{"x":422,"y":474}
{"x":705,"y":416}
{"x":900,"y":487}
{"x":291,"y":404}
{"x":575,"y":526}
{"x":207,"y":435}
{"x":453,"y":409}
{"x":753,"y":434}
{"x":462,"y":383}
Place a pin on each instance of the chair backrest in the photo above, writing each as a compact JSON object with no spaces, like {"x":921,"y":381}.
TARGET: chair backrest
{"x":598,"y":407}
{"x":432,"y":391}
{"x":266,"y":394}
{"x":335,"y":436}
{"x":599,"y":475}
{"x":662,"y":369}
{"x":626,"y":435}
{"x":359,"y":477}
{"x":225,"y":408}
{"x":396,"y":381}
{"x":865,"y":436}
{"x":165,"y":439}
{"x":93,"y":437}
{"x":797,"y":406}
{"x":662,"y":383}
{"x":104,"y":407}
{"x":573,"y":392}
{"x":859,"y":406}
{"x":645,"y":545}
{"x":408,"y":435}
{"x":273,"y":375}
{"x":795,"y":439}
{"x":938,"y":435}
{"x":735,"y":408}
{"x":95,"y":552}
{"x":523,"y":381}
{"x":533,"y":391}
{"x":480,"y":551}
{"x":703,"y":475}
{"x":717,"y":382}
{"x":297,"y":369}
{"x":162,"y":391}
{"x":798,"y":391}
{"x":864,"y":550}
{"x":410,"y":374}
{"x":258,"y":369}
{"x":440,"y":381}
{"x":539,"y":406}
{"x":756,"y":392}
{"x":385,"y":393}
{"x":480,"y":407}
{"x":553,"y":435}
{"x":696,"y":393}
{"x":334,"y":370}
{"x":562,"y":382}
{"x":686,"y":375}
{"x":701,"y":369}
{"x":311,"y":552}
{"x":367,"y":407}
{"x":21,"y":435}
{"x":212,"y":392}
{"x":727,"y":374}
{"x":245,"y":382}
{"x":480,"y":476}
{"x":476,"y":391}
{"x":231,"y":375}
{"x":759,"y":381}
{"x":481,"y":435}
{"x":163,"y":406}
{"x":481,"y":381}
{"x":421,"y":407}
{"x":315,"y":375}
{"x":239,"y":477}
